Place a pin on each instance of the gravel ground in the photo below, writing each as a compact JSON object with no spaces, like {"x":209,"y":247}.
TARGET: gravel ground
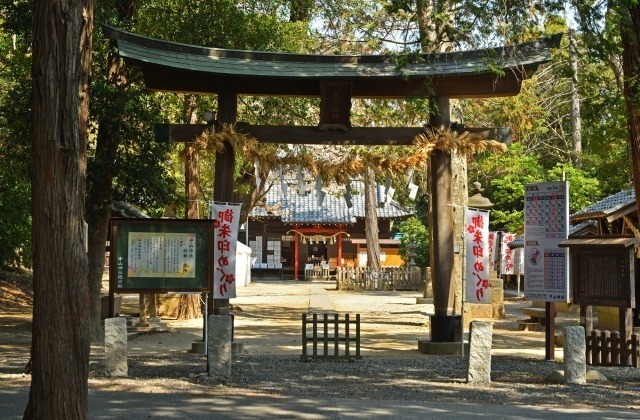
{"x":515,"y":381}
{"x":380,"y":375}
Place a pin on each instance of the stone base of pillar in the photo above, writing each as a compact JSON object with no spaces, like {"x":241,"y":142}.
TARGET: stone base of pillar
{"x":446,"y":328}
{"x":443,"y":349}
{"x":424,"y":301}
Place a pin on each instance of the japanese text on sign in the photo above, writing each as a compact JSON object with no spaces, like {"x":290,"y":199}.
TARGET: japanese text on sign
{"x":477,"y":256}
{"x":224,"y":253}
{"x":154,"y":254}
{"x":546,"y":214}
{"x":507,"y":259}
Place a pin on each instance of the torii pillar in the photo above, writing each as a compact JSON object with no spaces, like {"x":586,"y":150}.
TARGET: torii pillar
{"x":445,"y":326}
{"x":223,"y":177}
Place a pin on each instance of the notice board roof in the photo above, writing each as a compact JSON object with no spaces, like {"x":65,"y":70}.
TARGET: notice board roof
{"x":604,"y":240}
{"x":170,"y":66}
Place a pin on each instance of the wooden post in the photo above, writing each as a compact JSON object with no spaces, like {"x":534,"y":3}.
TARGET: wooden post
{"x":223,"y":183}
{"x":550,"y":331}
{"x":625,"y":318}
{"x":296,"y":256}
{"x":442,"y":264}
{"x":339,"y":239}
{"x":143,"y":310}
{"x":586,"y":320}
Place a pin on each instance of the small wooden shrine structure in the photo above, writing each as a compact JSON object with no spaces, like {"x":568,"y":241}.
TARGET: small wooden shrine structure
{"x":290,"y":234}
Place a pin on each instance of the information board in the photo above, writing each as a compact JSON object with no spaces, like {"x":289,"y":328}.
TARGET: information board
{"x":160,"y":255}
{"x":603,"y":270}
{"x":546,"y":214}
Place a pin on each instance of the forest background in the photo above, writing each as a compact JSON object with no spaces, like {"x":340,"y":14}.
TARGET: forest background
{"x":125,"y":164}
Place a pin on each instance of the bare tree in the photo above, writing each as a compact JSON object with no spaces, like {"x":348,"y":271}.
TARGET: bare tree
{"x":60,"y":344}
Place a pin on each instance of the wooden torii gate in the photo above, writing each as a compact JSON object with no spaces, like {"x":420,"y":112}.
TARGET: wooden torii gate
{"x":336,"y":79}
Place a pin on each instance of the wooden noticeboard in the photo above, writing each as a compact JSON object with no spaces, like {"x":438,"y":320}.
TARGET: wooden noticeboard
{"x":160,"y":255}
{"x":603,"y":270}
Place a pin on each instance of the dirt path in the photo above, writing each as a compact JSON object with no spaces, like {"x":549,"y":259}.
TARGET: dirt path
{"x":268,"y":322}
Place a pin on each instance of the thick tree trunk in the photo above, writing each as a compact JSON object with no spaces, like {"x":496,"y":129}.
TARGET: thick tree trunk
{"x":190,"y":304}
{"x":631,"y":66}
{"x":371,"y":220}
{"x":60,"y":343}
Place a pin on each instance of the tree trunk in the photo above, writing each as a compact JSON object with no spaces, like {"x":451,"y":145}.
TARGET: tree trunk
{"x":576,"y":120}
{"x":60,"y":342}
{"x":371,"y":220}
{"x":190,"y":304}
{"x":631,"y":67}
{"x":98,"y":217}
{"x":100,"y":185}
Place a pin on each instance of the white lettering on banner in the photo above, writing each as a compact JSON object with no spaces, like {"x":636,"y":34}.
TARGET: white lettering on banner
{"x":477,"y":257}
{"x":506,"y":263}
{"x":224,"y":251}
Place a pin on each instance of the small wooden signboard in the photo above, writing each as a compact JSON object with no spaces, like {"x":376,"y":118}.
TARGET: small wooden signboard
{"x":603,"y":273}
{"x":602,"y":270}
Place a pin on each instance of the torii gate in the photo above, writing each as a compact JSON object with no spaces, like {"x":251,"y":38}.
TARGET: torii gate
{"x":336,"y":79}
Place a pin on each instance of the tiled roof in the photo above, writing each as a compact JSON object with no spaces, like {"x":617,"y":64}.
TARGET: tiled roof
{"x":303,"y":208}
{"x":573,"y":230}
{"x":606,"y":206}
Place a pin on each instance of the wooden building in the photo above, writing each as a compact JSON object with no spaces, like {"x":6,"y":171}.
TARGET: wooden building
{"x":292,"y":233}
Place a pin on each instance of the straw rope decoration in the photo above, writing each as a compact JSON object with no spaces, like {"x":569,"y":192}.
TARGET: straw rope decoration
{"x":345,"y":163}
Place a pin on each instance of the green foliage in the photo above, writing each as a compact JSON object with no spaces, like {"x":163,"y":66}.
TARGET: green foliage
{"x":414,"y":228}
{"x":15,"y":135}
{"x":584,"y":187}
{"x":508,"y":174}
{"x":505,"y":176}
{"x":142,"y":175}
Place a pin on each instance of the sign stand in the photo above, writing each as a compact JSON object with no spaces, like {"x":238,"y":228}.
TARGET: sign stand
{"x":550,"y":330}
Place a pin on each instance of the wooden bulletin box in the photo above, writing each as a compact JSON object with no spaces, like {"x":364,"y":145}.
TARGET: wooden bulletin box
{"x":603,"y":270}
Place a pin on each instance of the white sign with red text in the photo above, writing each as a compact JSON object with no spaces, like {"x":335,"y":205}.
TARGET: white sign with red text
{"x":224,"y":249}
{"x":507,"y":263}
{"x":493,"y":250}
{"x":477,"y":256}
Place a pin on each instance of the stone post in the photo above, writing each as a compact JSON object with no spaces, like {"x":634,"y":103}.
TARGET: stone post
{"x":115,"y":346}
{"x":575,"y":359}
{"x":480,"y":337}
{"x":219,"y":347}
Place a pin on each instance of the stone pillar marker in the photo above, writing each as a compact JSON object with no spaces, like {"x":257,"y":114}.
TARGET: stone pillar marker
{"x":115,"y":346}
{"x":575,"y":359}
{"x":219,"y":346}
{"x":480,"y":337}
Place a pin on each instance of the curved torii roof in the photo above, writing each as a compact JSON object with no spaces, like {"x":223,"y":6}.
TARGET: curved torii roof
{"x":170,"y":66}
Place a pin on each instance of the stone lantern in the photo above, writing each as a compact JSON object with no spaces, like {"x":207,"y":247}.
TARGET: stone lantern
{"x":478,"y":201}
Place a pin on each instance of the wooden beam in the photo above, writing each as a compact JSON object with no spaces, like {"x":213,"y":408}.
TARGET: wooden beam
{"x":277,"y":134}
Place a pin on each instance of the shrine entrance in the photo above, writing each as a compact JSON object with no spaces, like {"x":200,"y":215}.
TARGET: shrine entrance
{"x":168,"y":66}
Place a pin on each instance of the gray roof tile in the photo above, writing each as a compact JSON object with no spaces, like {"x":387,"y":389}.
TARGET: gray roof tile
{"x":606,"y":206}
{"x":303,"y":208}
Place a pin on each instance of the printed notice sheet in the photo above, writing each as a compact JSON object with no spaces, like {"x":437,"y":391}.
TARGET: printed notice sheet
{"x":153,"y":254}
